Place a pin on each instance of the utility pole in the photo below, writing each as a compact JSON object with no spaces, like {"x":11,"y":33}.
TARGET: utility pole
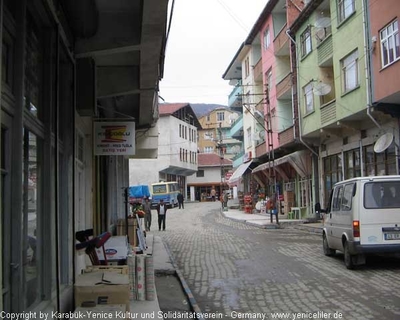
{"x":221,"y":157}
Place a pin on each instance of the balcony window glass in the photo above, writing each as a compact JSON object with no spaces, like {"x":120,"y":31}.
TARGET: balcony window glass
{"x":390,"y":46}
{"x":208,"y":149}
{"x":350,"y":77}
{"x":267,"y":39}
{"x":345,"y":8}
{"x":306,"y":45}
{"x":308,"y":98}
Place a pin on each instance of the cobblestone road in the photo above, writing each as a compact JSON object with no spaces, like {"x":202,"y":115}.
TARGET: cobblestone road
{"x":233,"y":268}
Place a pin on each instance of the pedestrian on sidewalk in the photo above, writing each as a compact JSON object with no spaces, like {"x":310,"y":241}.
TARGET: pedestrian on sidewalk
{"x":162,"y":212}
{"x":272,"y":208}
{"x":180,"y":200}
{"x":147,"y":214}
{"x":213,"y":192}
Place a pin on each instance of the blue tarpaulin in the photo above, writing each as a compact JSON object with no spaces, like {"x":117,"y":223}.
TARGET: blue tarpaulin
{"x":140,"y":191}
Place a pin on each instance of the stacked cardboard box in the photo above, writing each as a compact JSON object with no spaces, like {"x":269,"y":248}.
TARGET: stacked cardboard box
{"x":102,"y":288}
{"x":288,"y":201}
{"x":132,"y":225}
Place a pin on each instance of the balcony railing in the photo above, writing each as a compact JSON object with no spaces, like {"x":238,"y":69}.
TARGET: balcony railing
{"x":283,"y":88}
{"x":325,"y":50}
{"x":328,"y":113}
{"x":281,"y":43}
{"x":286,"y":136}
{"x":258,"y":72}
{"x":261,"y":148}
{"x":235,"y":97}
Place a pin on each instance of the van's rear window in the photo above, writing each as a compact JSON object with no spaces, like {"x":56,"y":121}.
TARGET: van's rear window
{"x":381,"y":195}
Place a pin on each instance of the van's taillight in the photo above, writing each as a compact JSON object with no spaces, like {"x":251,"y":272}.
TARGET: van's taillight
{"x":356,"y":229}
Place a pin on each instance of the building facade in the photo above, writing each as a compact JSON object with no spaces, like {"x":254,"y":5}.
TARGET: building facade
{"x":177,"y":157}
{"x":64,"y":73}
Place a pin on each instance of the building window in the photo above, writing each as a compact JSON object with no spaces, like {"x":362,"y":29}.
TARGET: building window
{"x":246,"y":67}
{"x":390,"y":46}
{"x":267,"y":39}
{"x":208,"y":149}
{"x":33,"y":216}
{"x":220,"y":116}
{"x":350,"y":72}
{"x":332,"y":173}
{"x":308,"y":98}
{"x":306,"y":45}
{"x":208,"y":118}
{"x":208,"y":135}
{"x":200,"y":173}
{"x":352,"y":164}
{"x":248,"y":134}
{"x":345,"y":8}
{"x":383,"y":163}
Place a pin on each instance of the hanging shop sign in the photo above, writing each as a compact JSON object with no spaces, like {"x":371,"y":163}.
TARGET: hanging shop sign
{"x":114,"y":138}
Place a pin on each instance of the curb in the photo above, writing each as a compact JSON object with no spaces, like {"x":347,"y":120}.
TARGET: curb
{"x":188,"y":292}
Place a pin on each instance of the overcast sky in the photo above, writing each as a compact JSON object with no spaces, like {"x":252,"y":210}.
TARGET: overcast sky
{"x":204,"y":38}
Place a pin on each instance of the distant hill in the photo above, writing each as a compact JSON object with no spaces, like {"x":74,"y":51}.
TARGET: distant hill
{"x":201,"y":109}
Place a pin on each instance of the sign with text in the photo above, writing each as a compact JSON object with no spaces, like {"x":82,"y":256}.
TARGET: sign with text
{"x":114,"y":138}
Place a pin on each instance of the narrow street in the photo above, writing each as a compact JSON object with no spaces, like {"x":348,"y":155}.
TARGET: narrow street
{"x":232,"y":269}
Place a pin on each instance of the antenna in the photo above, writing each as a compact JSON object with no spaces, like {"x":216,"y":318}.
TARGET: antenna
{"x":383,"y":142}
{"x":321,"y":89}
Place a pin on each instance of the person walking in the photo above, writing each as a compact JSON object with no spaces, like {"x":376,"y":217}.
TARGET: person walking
{"x":147,"y":214}
{"x":180,"y":200}
{"x":213,"y":192}
{"x":161,"y":211}
{"x":272,"y":208}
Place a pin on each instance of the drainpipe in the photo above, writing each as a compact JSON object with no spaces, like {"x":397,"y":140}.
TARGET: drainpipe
{"x":367,"y":66}
{"x":297,"y":83}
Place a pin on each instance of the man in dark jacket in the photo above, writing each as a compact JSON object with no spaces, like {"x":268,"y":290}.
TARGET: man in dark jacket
{"x":180,"y":200}
{"x":161,"y":211}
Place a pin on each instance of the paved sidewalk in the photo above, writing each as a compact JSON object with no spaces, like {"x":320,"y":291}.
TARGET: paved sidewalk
{"x":264,"y":220}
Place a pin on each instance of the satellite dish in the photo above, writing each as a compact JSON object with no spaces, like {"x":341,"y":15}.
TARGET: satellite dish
{"x":233,"y":116}
{"x":323,"y":22}
{"x":261,"y":134}
{"x":321,"y":89}
{"x":383,"y":142}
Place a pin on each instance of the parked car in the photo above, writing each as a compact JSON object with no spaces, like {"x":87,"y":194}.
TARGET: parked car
{"x":363,"y":216}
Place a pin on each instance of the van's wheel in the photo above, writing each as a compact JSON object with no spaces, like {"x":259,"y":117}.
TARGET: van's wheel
{"x":348,"y":258}
{"x":327,"y":251}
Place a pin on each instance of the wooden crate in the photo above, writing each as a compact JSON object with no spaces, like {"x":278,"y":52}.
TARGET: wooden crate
{"x":116,"y":269}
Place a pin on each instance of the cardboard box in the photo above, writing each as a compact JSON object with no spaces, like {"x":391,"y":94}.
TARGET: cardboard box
{"x":132,"y":225}
{"x":116,"y":249}
{"x":102,"y":288}
{"x":116,"y":269}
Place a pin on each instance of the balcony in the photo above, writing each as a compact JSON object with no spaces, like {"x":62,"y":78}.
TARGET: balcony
{"x":235,"y":98}
{"x":261,"y":149}
{"x":325,"y":52}
{"x":284,"y":88}
{"x":328,"y":113}
{"x":258,"y":72}
{"x":281,"y":43}
{"x":236,"y":130}
{"x":285,"y":137}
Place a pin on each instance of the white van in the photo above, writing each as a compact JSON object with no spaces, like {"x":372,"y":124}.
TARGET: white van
{"x":363,"y":216}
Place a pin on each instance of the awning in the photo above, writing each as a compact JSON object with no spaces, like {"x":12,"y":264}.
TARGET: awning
{"x":299,"y":160}
{"x":239,"y":172}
